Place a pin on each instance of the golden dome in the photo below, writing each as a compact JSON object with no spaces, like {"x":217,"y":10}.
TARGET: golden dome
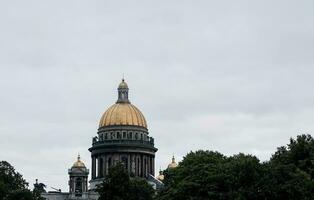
{"x":173,"y":163}
{"x":123,"y":114}
{"x":161,"y":176}
{"x":78,"y":163}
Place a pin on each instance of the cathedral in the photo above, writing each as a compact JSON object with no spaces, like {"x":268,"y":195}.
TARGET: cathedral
{"x":123,"y":137}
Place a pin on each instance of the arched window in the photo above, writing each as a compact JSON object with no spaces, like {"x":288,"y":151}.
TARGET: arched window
{"x":78,"y":186}
{"x":118,"y":135}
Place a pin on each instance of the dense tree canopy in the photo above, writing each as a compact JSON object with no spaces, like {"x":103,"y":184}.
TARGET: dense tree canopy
{"x":119,"y":186}
{"x":12,"y":184}
{"x":211,"y":175}
{"x":290,"y":170}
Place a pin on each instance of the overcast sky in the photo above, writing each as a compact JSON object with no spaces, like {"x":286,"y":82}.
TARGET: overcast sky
{"x":231,"y":76}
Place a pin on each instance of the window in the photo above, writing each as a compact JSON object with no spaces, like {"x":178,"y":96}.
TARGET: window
{"x":78,"y":187}
{"x":136,"y":136}
{"x":118,"y":135}
{"x":124,"y":135}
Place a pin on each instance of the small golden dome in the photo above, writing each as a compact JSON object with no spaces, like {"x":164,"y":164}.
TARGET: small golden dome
{"x":123,"y":85}
{"x":78,"y":163}
{"x":173,"y":163}
{"x":161,"y":176}
{"x":123,"y":114}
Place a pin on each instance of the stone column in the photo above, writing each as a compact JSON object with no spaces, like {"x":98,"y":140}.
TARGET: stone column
{"x":93,"y":167}
{"x":138,"y":165}
{"x":149,"y":164}
{"x":143,"y":166}
{"x":129,"y":163}
{"x":153,"y":167}
{"x":104,"y":165}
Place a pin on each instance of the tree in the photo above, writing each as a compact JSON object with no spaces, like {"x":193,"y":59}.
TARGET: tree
{"x":119,"y":186}
{"x":299,"y":152}
{"x":290,"y":170}
{"x":243,"y":177}
{"x":211,"y":175}
{"x":12,"y":184}
{"x":199,"y":176}
{"x":140,"y":190}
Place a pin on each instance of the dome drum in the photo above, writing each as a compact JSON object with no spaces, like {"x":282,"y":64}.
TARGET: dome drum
{"x":123,"y":127}
{"x":126,"y":147}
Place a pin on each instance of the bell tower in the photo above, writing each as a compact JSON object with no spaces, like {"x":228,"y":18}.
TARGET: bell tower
{"x":78,"y":178}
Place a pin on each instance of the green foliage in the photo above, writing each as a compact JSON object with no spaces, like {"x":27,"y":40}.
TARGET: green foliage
{"x":140,"y":190}
{"x":12,"y":184}
{"x":299,"y":152}
{"x":210,"y":175}
{"x":290,"y":170}
{"x":119,"y":186}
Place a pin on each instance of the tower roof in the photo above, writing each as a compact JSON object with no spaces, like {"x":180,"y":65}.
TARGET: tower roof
{"x":78,"y":163}
{"x":173,"y":163}
{"x":123,"y":112}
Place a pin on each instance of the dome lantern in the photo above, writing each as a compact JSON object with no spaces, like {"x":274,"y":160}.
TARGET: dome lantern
{"x":123,"y":92}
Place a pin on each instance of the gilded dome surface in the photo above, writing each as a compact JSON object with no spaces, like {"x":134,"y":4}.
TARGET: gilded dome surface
{"x":78,"y":163}
{"x":123,"y":114}
{"x":173,"y":163}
